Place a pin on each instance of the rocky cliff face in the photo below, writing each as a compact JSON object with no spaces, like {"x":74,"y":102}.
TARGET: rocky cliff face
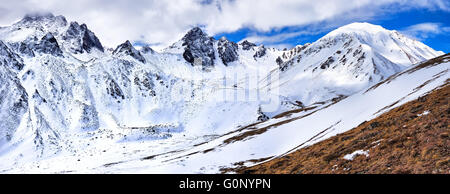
{"x":79,"y":39}
{"x":48,"y":45}
{"x":228,"y":51}
{"x":10,"y":59}
{"x":13,"y":97}
{"x":36,"y":32}
{"x":246,"y":45}
{"x":126,"y":48}
{"x":199,"y":46}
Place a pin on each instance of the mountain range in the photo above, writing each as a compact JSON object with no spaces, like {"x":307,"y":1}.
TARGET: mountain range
{"x":69,"y":104}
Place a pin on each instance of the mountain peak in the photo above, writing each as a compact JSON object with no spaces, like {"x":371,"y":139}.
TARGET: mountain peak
{"x":246,"y":45}
{"x":198,"y":46}
{"x":195,"y":33}
{"x":363,"y":26}
{"x":358,"y":27}
{"x":42,"y":17}
{"x":36,"y":16}
{"x":128,"y":49}
{"x":81,"y":38}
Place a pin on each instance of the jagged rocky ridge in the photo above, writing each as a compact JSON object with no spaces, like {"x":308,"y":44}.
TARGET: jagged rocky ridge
{"x":199,"y":46}
{"x":227,"y":51}
{"x":81,"y":39}
{"x":50,"y":34}
{"x":128,"y":49}
{"x":200,"y":49}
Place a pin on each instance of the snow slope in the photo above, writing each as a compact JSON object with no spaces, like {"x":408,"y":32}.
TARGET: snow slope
{"x":68,"y":104}
{"x":347,"y":60}
{"x":281,"y":136}
{"x":273,"y":138}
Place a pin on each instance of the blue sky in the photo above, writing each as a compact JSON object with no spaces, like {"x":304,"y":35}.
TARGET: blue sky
{"x":278,"y":23}
{"x":435,"y":32}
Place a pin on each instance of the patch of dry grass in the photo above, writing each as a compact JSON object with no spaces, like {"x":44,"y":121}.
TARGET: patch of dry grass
{"x":401,"y":141}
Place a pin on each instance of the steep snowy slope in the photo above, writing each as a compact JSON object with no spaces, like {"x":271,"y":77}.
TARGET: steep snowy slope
{"x":346,"y":60}
{"x":410,"y":139}
{"x":13,"y":98}
{"x":277,"y":137}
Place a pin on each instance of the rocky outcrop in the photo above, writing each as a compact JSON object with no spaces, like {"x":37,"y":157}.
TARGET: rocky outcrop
{"x":246,"y":45}
{"x":261,"y":116}
{"x":80,"y":39}
{"x":289,"y":54}
{"x":48,"y":45}
{"x":227,"y":51}
{"x":199,"y":48}
{"x":13,"y":97}
{"x":9,"y":58}
{"x":22,"y":48}
{"x":147,"y":49}
{"x":260,"y":52}
{"x":114,"y":90}
{"x":327,"y":63}
{"x":127,"y":49}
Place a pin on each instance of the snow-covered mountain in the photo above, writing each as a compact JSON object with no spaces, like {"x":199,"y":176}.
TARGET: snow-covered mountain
{"x":346,"y":60}
{"x":64,"y":96}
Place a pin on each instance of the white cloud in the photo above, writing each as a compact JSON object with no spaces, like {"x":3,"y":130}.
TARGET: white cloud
{"x":281,"y":46}
{"x":424,"y":30}
{"x":165,"y":21}
{"x":273,"y":39}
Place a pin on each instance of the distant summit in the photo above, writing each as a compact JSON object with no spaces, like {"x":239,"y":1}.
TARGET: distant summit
{"x":199,"y":46}
{"x":34,"y":29}
{"x":127,"y":48}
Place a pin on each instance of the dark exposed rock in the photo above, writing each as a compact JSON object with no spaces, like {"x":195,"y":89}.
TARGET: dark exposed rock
{"x":128,"y":49}
{"x":227,"y":51}
{"x":362,"y":57}
{"x":279,"y":60}
{"x":147,"y":49}
{"x":9,"y":58}
{"x":290,"y":54}
{"x":262,"y":116}
{"x":37,"y":96}
{"x":199,"y":47}
{"x":282,"y":65}
{"x":48,"y":45}
{"x":114,"y":90}
{"x":260,"y":52}
{"x":22,"y":48}
{"x":13,"y":97}
{"x":357,"y":51}
{"x":81,"y":39}
{"x":146,"y":83}
{"x":246,"y":45}
{"x":327,"y":63}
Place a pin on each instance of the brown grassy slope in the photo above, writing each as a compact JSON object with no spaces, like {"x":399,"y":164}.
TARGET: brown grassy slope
{"x":399,"y":141}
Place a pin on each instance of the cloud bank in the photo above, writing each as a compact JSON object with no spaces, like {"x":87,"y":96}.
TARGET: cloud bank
{"x":161,"y":22}
{"x":424,"y":30}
